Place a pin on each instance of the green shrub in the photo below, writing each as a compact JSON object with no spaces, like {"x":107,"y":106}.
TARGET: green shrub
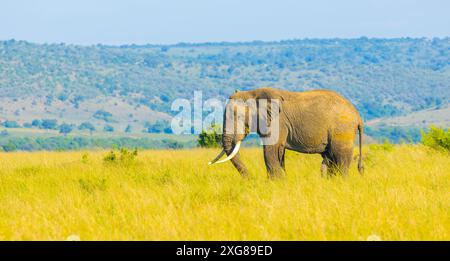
{"x":11,"y":124}
{"x":65,"y":128}
{"x":210,"y":138}
{"x":49,"y":124}
{"x":437,"y":138}
{"x":125,"y":156}
{"x":110,"y":157}
{"x":87,"y":126}
{"x":108,"y":128}
{"x":85,"y":158}
{"x":128,"y":156}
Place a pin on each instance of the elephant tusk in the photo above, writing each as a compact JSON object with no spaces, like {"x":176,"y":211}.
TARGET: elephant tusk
{"x":217,"y":158}
{"x":233,"y":153}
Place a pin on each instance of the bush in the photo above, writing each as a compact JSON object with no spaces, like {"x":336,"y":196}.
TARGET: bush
{"x":110,"y":157}
{"x":108,"y":128}
{"x":210,"y":138}
{"x":87,"y":126}
{"x":437,"y":138}
{"x":49,"y":124}
{"x":85,"y":158}
{"x":11,"y":124}
{"x":9,"y":147}
{"x":103,"y":115}
{"x":36,"y":123}
{"x":65,"y":128}
{"x":160,"y":126}
{"x":126,"y":156}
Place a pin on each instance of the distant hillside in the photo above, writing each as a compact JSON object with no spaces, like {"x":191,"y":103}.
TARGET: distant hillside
{"x":136,"y":84}
{"x":438,"y":117}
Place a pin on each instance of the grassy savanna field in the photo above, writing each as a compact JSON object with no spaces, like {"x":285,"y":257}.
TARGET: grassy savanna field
{"x":174,"y":195}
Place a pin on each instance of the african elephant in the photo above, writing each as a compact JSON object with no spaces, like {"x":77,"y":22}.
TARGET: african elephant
{"x":314,"y":122}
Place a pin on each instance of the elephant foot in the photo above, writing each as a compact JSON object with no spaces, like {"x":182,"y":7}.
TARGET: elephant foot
{"x":243,"y":172}
{"x":244,"y":175}
{"x":277,"y":175}
{"x":324,"y":170}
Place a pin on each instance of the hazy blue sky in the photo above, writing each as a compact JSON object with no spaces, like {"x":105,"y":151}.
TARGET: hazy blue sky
{"x":172,"y":21}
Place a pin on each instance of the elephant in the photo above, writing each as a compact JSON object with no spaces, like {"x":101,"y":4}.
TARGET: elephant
{"x":313,"y":122}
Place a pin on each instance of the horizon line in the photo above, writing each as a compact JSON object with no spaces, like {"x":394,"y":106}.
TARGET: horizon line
{"x":182,"y":44}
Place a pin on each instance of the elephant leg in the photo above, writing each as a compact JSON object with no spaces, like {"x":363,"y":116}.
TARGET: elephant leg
{"x":343,"y":155}
{"x":283,"y":165}
{"x":274,"y":159}
{"x":325,"y":168}
{"x":328,"y":167}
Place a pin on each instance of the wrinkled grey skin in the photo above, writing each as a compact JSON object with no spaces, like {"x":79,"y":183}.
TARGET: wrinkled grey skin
{"x":314,"y":122}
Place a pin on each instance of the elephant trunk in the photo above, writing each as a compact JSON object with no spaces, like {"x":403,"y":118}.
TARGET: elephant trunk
{"x":229,"y":146}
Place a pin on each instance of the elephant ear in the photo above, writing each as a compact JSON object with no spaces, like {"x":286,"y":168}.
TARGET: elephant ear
{"x":269,"y":97}
{"x":268,"y":109}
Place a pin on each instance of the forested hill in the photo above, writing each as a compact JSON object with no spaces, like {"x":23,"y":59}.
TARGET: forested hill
{"x":382,"y":77}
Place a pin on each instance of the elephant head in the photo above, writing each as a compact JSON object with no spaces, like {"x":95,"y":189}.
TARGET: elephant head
{"x":246,"y":112}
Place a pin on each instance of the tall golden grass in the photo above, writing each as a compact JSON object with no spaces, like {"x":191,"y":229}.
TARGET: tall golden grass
{"x":174,"y":195}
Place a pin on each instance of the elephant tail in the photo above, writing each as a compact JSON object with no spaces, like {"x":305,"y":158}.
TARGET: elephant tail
{"x":360,"y":163}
